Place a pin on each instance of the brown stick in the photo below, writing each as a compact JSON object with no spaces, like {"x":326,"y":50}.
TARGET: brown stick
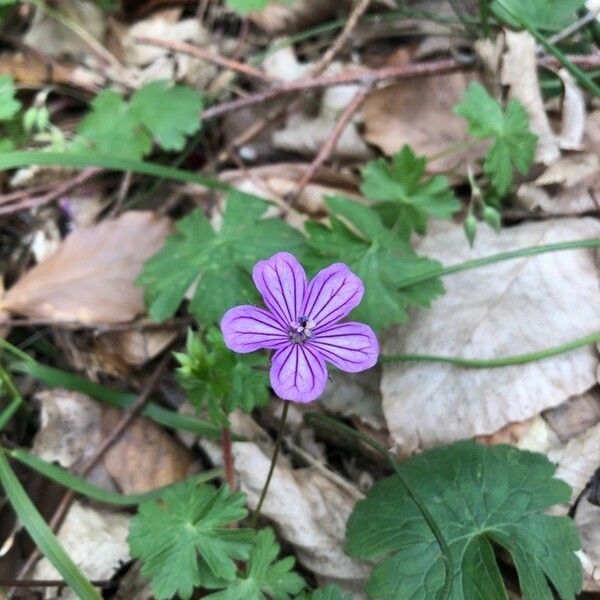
{"x":341,"y":40}
{"x":228,"y":458}
{"x":361,"y":78}
{"x":330,"y":143}
{"x":115,"y":434}
{"x":201,"y":53}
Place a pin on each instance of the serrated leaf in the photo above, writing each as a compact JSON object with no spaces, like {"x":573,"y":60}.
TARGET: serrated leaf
{"x":213,"y":375}
{"x":264,"y":577}
{"x":189,"y":521}
{"x":408,"y":198}
{"x":112,"y":129}
{"x":380,"y":258}
{"x":220,"y":262}
{"x":513,"y":145}
{"x":551,"y":15}
{"x":329,"y":592}
{"x":170,"y":112}
{"x":480,"y":497}
{"x":9,"y":105}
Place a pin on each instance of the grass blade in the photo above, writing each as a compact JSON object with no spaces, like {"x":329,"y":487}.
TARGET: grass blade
{"x":42,"y":535}
{"x":81,"y":486}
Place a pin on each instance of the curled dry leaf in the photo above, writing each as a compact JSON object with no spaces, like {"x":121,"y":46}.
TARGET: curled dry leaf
{"x":505,"y":309}
{"x":145,"y":457}
{"x":310,"y":512}
{"x":95,"y":540}
{"x":575,"y":416}
{"x":419,"y":113}
{"x":519,"y":73}
{"x":571,"y":185}
{"x":90,"y":278}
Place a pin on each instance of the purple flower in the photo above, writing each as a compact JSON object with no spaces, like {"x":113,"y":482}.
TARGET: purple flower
{"x":302,"y":325}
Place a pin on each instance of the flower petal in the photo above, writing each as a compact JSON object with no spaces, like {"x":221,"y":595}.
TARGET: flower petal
{"x":349,"y":346}
{"x":282,"y":282}
{"x":248,"y":328}
{"x":331,"y":295}
{"x":298,"y":373}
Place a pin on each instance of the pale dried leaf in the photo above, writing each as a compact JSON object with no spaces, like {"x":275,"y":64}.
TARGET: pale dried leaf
{"x":519,"y":73}
{"x":505,"y":309}
{"x":419,"y":113}
{"x":575,"y":416}
{"x":310,"y":512}
{"x":90,"y":278}
{"x":286,"y":17}
{"x":573,"y":114}
{"x":145,"y":456}
{"x":136,"y":347}
{"x":95,"y":540}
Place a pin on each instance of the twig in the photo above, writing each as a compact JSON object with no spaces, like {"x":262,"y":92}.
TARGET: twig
{"x":202,"y":54}
{"x":125,"y":421}
{"x":330,"y":143}
{"x":228,"y":458}
{"x":341,"y":40}
{"x":38,"y":201}
{"x":361,"y":78}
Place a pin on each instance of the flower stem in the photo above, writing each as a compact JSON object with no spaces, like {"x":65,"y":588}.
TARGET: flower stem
{"x":429,"y":519}
{"x":488,"y":363}
{"x":263,"y":494}
{"x":228,"y":458}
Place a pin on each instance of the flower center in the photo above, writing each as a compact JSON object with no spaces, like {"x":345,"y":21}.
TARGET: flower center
{"x":300,"y":330}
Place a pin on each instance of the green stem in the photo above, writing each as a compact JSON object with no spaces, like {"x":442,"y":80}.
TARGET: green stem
{"x":319,"y":418}
{"x":495,"y":258}
{"x":263,"y":494}
{"x":483,"y":363}
{"x":16,"y":402}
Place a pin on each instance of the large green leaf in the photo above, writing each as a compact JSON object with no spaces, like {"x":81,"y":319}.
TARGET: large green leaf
{"x":218,"y":262}
{"x":482,"y":498}
{"x":543,"y":14}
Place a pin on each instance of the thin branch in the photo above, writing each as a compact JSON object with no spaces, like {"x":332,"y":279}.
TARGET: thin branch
{"x":574,"y":27}
{"x":331,"y":142}
{"x":205,"y":55}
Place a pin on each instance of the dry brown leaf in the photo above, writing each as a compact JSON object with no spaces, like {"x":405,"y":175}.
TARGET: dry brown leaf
{"x":135,"y":347}
{"x":310,"y":512}
{"x":90,"y":279}
{"x":144,"y":457}
{"x":519,"y":73}
{"x":575,"y":416}
{"x":569,"y":186}
{"x":505,"y":309}
{"x":95,"y":539}
{"x":419,"y":113}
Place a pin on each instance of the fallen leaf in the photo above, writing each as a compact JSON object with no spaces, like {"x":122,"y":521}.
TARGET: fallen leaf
{"x":286,"y":17}
{"x":575,"y":416}
{"x":519,"y":73}
{"x":310,"y":512}
{"x":569,"y":186}
{"x":95,"y":540}
{"x":504,"y":309}
{"x":397,"y":114}
{"x":573,"y":114}
{"x":90,"y":278}
{"x":144,"y":457}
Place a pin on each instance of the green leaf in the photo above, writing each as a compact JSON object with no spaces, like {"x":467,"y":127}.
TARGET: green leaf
{"x":169,"y":111}
{"x":190,"y":521}
{"x":481,"y":497}
{"x":408,"y":198}
{"x":245,"y":6}
{"x":9,"y":105}
{"x":380,"y":258}
{"x":112,"y":129}
{"x":513,"y":145}
{"x":42,"y":535}
{"x":218,"y":262}
{"x":264,"y":577}
{"x":551,"y":15}
{"x":223,"y":380}
{"x":329,"y":592}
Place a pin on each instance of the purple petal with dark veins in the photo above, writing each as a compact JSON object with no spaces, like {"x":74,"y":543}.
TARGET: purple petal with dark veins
{"x":282,"y":282}
{"x":349,"y":346}
{"x":248,"y":328}
{"x":298,"y":373}
{"x":331,"y":295}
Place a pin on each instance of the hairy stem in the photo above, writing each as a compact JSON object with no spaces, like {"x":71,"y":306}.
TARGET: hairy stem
{"x":263,"y":494}
{"x":488,"y":363}
{"x":431,"y":522}
{"x":228,"y":458}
